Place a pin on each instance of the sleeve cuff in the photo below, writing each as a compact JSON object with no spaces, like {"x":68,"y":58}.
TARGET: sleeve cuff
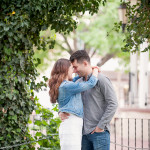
{"x":101,"y":125}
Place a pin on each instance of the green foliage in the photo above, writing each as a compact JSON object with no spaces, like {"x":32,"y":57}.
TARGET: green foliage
{"x":16,"y":96}
{"x":138,"y":27}
{"x":50,"y":125}
{"x":99,"y":33}
{"x":20,"y":24}
{"x":47,"y":56}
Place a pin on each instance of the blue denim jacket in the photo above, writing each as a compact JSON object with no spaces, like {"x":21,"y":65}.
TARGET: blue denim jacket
{"x":69,"y":97}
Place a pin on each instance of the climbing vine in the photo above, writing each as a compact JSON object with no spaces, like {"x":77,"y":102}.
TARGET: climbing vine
{"x":20,"y":24}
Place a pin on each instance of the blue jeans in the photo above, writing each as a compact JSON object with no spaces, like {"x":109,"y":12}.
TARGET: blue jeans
{"x":96,"y":141}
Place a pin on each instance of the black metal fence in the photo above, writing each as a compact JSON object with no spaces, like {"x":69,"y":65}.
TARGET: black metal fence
{"x":130,"y":133}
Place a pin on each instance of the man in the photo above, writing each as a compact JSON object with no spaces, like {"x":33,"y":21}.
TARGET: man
{"x":99,"y":105}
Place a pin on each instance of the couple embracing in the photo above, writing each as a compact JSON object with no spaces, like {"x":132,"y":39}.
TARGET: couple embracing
{"x":87,"y":103}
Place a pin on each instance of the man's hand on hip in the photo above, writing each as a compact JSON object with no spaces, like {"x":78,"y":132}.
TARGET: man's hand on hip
{"x":63,"y":115}
{"x":97,"y":129}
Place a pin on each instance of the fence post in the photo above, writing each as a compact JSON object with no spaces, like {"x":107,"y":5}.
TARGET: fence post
{"x":149,"y":132}
{"x":128,"y":134}
{"x":115,"y":131}
{"x":135,"y":132}
{"x":121,"y":134}
{"x":142,"y":131}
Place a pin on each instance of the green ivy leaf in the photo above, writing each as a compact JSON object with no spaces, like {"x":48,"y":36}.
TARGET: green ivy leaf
{"x":38,"y":134}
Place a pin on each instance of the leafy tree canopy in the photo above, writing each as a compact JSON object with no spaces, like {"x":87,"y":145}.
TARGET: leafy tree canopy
{"x":97,"y":35}
{"x":138,"y":26}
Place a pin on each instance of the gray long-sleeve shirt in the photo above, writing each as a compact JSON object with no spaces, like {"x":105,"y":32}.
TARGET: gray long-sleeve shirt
{"x":99,"y":105}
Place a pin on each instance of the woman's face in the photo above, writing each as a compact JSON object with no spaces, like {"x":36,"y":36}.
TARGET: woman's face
{"x":70,"y":72}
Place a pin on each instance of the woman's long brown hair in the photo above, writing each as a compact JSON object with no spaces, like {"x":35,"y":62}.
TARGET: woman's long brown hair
{"x":58,"y":74}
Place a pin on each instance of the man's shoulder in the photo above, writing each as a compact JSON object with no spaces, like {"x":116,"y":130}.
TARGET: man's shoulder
{"x":103,"y":79}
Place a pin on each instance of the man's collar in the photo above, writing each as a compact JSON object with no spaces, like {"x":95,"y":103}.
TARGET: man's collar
{"x":88,"y":77}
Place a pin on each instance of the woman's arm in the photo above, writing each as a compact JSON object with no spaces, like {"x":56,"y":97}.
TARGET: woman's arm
{"x":78,"y":87}
{"x":75,"y":78}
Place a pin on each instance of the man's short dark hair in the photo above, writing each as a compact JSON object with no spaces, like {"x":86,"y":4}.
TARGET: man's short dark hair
{"x":80,"y":56}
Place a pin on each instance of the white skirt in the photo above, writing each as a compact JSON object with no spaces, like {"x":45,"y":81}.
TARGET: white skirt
{"x":70,"y":133}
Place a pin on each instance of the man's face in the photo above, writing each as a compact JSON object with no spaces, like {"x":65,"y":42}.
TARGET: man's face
{"x":79,"y":68}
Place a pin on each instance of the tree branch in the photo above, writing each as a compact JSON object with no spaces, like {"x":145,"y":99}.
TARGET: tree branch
{"x":66,"y":41}
{"x":93,"y":53}
{"x":60,"y":45}
{"x":105,"y":59}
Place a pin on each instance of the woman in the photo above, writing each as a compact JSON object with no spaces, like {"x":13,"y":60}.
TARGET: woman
{"x":68,"y":95}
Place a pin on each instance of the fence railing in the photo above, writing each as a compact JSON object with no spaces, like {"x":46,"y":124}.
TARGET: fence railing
{"x":126,"y":134}
{"x":130,"y":133}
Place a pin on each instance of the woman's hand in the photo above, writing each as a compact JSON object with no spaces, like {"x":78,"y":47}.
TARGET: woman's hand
{"x":96,"y":70}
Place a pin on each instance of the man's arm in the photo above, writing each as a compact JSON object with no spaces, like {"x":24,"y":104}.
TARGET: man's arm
{"x":111,"y":102}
